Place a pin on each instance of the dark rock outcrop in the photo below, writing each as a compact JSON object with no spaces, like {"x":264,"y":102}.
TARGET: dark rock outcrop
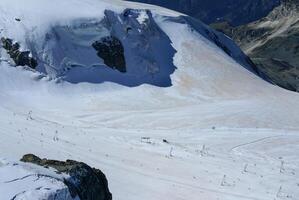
{"x":21,"y":58}
{"x":85,"y":182}
{"x":111,"y":50}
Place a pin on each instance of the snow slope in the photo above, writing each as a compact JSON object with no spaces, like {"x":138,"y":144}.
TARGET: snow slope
{"x":227,"y":133}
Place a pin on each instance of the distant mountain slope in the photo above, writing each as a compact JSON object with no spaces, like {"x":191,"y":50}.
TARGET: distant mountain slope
{"x":272,"y":43}
{"x":236,"y":12}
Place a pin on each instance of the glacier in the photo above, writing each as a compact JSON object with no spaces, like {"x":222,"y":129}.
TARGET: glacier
{"x":230,"y":134}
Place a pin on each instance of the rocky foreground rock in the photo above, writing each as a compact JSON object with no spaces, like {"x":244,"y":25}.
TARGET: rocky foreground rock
{"x":84,"y":181}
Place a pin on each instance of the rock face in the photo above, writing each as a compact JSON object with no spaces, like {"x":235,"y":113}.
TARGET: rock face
{"x":86,"y":182}
{"x":21,"y":58}
{"x":236,"y":12}
{"x":272,"y":43}
{"x":111,"y":50}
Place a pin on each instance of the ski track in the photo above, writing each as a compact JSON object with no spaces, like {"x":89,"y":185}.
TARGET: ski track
{"x":68,"y":147}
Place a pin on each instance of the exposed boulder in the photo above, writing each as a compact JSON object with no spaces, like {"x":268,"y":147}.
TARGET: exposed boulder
{"x":21,"y":58}
{"x":111,"y":50}
{"x":86,"y":182}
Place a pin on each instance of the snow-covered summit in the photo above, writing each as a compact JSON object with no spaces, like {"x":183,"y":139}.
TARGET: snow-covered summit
{"x":69,"y":44}
{"x":128,"y":44}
